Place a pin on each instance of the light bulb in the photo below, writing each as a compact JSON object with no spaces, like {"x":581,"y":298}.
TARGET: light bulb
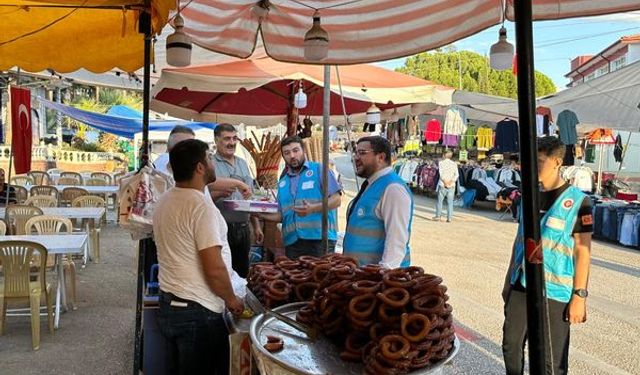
{"x":501,"y":53}
{"x":178,"y":45}
{"x":316,"y":41}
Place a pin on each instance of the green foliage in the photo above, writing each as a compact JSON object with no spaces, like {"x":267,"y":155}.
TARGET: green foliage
{"x":442,"y":66}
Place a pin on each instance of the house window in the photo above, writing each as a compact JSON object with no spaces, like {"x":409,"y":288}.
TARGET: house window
{"x":602,"y":71}
{"x":619,"y":63}
{"x":590,"y":77}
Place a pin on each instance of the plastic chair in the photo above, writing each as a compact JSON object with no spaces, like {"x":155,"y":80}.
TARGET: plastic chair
{"x":3,"y":228}
{"x":21,"y":180}
{"x":103,"y":176}
{"x":96,"y":182}
{"x":93,"y":201}
{"x":75,"y":175}
{"x":45,"y":190}
{"x":54,"y":171}
{"x":17,"y":257}
{"x":21,"y":194}
{"x":42,"y":201}
{"x":17,"y":216}
{"x":71,"y":193}
{"x":47,"y":224}
{"x":68,"y":181}
{"x":39,"y":177}
{"x":117,"y":177}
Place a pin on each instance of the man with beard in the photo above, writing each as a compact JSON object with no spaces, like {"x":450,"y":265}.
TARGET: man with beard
{"x":228,"y":165}
{"x":300,"y":203}
{"x":379,"y":217}
{"x":195,"y":266}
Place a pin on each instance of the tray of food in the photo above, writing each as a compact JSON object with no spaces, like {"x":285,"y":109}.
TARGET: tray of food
{"x":371,"y":320}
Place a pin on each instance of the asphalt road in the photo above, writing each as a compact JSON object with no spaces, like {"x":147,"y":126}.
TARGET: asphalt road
{"x":471,"y":254}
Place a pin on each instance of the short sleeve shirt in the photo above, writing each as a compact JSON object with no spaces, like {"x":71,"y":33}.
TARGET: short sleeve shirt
{"x":183,"y":224}
{"x":239,"y":171}
{"x":584,"y":222}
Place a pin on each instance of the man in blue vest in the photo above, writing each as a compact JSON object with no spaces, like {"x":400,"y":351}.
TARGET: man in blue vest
{"x":300,"y":203}
{"x":566,"y":227}
{"x":379,"y":217}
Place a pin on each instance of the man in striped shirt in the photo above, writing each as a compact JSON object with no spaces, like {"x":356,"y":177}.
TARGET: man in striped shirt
{"x":448,"y":171}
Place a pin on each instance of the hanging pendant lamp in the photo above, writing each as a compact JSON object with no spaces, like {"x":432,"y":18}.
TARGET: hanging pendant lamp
{"x":300,"y":99}
{"x":501,"y":53}
{"x":316,"y":41}
{"x":373,"y":114}
{"x":178,"y":45}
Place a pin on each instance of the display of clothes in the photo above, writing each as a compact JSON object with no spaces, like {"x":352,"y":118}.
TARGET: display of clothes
{"x":507,"y":137}
{"x":407,"y":170}
{"x":580,"y":177}
{"x":411,"y":147}
{"x":484,"y":136}
{"x":544,"y":122}
{"x":468,"y":139}
{"x":412,"y":126}
{"x":617,"y":221}
{"x":433,"y":132}
{"x":455,"y":124}
{"x":567,"y":123}
{"x":508,"y":177}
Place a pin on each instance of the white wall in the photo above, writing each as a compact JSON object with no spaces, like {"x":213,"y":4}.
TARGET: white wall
{"x":634,"y":53}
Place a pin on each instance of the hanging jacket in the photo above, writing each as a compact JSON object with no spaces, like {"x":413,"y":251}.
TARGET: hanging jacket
{"x":365,"y":235}
{"x":557,"y":245}
{"x":433,"y":131}
{"x":567,"y":122}
{"x":309,"y":227}
{"x":618,"y":150}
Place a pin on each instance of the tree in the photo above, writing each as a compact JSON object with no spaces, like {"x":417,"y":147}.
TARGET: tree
{"x":444,"y":67}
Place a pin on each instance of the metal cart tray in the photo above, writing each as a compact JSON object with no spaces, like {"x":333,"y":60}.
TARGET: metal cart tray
{"x":301,"y":356}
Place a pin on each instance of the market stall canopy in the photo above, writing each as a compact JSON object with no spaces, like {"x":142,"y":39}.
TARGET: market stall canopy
{"x":66,"y":35}
{"x":126,"y":124}
{"x":361,"y":31}
{"x":609,"y":101}
{"x":260,"y":90}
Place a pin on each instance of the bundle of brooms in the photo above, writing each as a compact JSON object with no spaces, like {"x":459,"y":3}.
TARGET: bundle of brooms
{"x":266,"y":155}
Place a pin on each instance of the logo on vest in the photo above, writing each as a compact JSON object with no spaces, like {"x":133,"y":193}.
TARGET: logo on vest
{"x":567,"y":203}
{"x":360,"y":212}
{"x":309,"y":173}
{"x":282,"y":183}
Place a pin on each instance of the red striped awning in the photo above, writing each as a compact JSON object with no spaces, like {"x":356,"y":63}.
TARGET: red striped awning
{"x":362,"y":31}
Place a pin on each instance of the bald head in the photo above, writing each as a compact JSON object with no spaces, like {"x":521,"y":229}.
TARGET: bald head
{"x":176,"y":138}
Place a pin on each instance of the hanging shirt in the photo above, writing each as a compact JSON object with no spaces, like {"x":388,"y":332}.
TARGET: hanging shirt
{"x":468,"y":139}
{"x":433,"y":131}
{"x":455,"y":121}
{"x":540,"y":126}
{"x":507,"y":138}
{"x":485,"y":138}
{"x":567,"y":122}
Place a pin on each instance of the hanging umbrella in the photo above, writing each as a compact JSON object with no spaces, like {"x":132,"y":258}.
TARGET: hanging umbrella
{"x":261,"y":91}
{"x":97,"y":35}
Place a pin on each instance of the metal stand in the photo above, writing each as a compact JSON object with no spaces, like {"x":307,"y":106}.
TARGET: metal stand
{"x":537,"y":310}
{"x":325,"y":157}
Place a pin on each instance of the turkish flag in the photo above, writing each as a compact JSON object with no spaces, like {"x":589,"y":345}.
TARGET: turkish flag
{"x":21,"y":135}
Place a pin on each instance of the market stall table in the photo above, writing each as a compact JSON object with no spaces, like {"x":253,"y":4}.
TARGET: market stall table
{"x":56,"y":244}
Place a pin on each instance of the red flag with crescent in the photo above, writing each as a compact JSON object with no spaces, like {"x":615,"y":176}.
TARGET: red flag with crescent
{"x":21,"y":135}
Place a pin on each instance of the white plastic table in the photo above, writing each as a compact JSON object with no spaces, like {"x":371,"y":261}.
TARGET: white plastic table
{"x":56,"y":244}
{"x":93,"y":214}
{"x":109,"y":189}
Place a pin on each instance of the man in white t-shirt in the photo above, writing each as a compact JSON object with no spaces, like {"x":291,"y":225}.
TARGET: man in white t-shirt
{"x":195,"y":266}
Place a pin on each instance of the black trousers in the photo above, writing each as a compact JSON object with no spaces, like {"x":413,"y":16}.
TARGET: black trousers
{"x":239,"y":237}
{"x":515,"y":333}
{"x":197,"y":338}
{"x":307,"y":247}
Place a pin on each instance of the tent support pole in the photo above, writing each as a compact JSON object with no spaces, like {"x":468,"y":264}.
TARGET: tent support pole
{"x":537,"y":309}
{"x":325,"y":157}
{"x":145,"y":27}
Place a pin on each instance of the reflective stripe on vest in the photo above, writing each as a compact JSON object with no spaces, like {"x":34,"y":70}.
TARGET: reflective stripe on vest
{"x":309,"y":227}
{"x":557,"y":241}
{"x":365,"y":234}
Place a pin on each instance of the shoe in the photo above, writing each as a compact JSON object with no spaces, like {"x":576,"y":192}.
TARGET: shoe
{"x":436,"y":218}
{"x":448,"y":220}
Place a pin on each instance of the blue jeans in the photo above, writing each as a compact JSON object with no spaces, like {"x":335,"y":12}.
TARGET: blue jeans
{"x":197,"y":338}
{"x":449,"y":193}
{"x":308,"y":247}
{"x":629,"y":228}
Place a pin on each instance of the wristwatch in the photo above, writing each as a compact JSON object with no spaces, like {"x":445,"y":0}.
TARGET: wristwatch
{"x":582,"y":293}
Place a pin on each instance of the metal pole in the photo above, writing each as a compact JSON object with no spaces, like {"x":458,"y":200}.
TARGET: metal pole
{"x":145,"y":26}
{"x":347,"y":124}
{"x":600,"y":160}
{"x":325,"y":157}
{"x":536,"y":301}
{"x":459,"y":72}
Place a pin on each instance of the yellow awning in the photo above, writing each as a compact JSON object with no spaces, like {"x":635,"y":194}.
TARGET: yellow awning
{"x":97,"y":35}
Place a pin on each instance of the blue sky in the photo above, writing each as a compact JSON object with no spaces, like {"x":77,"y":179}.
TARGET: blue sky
{"x":556,"y":42}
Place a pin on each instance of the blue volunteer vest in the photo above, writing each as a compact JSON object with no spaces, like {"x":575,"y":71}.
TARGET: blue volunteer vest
{"x":295,"y":227}
{"x":556,"y":229}
{"x":365,"y":235}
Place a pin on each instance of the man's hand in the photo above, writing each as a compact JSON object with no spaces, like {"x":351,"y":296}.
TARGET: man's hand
{"x":235,"y":306}
{"x":577,"y":310}
{"x":305,"y":209}
{"x":220,"y":194}
{"x":244,"y":189}
{"x":259,"y":235}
